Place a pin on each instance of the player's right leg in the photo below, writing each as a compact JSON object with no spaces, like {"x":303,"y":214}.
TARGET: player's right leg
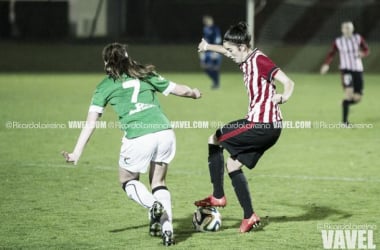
{"x":162,"y":216}
{"x":216,"y":169}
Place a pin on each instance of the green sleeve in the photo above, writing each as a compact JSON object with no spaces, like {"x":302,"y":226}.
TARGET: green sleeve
{"x":98,"y":101}
{"x":160,"y":84}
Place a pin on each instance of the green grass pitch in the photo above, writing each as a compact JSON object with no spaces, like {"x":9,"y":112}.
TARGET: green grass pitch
{"x":311,"y":176}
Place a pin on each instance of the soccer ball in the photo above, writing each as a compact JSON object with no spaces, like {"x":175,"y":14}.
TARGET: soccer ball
{"x":207,"y":219}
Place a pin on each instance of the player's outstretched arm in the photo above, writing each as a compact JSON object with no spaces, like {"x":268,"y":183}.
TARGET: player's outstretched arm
{"x":205,"y":46}
{"x":186,"y":91}
{"x":288,"y":87}
{"x":330,"y":56}
{"x":83,"y":138}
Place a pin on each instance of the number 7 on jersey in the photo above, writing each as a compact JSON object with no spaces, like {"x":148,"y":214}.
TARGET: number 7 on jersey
{"x":135,"y":84}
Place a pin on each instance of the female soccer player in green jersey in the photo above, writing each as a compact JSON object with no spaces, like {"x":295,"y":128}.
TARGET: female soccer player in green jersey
{"x":130,"y":88}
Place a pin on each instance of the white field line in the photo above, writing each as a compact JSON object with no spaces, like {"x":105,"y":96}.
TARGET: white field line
{"x":320,"y":178}
{"x":174,"y":170}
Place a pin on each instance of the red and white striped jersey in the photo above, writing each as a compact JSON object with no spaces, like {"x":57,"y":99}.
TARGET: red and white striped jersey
{"x":259,"y":71}
{"x":349,"y":48}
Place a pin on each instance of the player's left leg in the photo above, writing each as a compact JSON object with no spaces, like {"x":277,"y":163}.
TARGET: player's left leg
{"x":246,"y":149}
{"x":358,"y":87}
{"x":351,"y":96}
{"x":215,"y":64}
{"x":214,"y":75}
{"x":135,"y":189}
{"x":353,"y":90}
{"x":135,"y":156}
{"x":240,"y":184}
{"x":164,"y":154}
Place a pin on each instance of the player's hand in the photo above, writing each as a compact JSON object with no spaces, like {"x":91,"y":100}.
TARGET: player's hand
{"x":324,"y":69}
{"x":70,"y":157}
{"x":197,"y":93}
{"x":362,"y":54}
{"x":202,"y":47}
{"x":278,"y":99}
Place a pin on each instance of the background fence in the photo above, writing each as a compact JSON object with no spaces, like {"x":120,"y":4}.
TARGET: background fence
{"x":69,"y":35}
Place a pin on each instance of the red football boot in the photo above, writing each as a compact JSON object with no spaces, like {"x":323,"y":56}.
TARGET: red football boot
{"x":247,"y":224}
{"x":211,"y":201}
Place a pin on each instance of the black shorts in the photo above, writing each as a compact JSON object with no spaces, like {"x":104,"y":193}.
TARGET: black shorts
{"x":353,"y":79}
{"x":247,"y":141}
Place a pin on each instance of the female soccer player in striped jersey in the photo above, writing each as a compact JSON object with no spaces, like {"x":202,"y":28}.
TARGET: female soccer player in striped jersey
{"x":352,"y":48}
{"x":130,"y":88}
{"x":246,"y":139}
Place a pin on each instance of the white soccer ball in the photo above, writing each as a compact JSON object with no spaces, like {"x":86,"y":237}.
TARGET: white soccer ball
{"x":207,"y":219}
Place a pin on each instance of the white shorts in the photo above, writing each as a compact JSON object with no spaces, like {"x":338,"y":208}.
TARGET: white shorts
{"x":136,"y":154}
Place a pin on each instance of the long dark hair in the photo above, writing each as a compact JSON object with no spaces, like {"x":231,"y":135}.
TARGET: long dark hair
{"x":117,"y":62}
{"x":238,"y":34}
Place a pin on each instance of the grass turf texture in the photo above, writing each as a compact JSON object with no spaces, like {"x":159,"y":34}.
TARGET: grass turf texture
{"x":310,"y":177}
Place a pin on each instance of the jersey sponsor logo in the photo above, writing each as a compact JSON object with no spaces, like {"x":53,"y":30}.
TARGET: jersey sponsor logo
{"x":140,"y":107}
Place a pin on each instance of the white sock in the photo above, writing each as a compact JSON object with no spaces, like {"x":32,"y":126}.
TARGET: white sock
{"x":163,"y":196}
{"x":137,"y":191}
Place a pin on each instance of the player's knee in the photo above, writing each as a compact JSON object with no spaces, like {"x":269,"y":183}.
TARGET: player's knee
{"x":357,"y":98}
{"x":124,"y":184}
{"x":233,"y":165}
{"x":349,"y":93}
{"x":349,"y":96}
{"x":157,"y":188}
{"x":212,"y":140}
{"x":157,"y":183}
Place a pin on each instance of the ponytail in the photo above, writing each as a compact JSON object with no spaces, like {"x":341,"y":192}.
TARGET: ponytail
{"x":117,"y":62}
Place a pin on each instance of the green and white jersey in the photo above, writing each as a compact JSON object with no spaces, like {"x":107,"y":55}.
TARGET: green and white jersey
{"x":135,"y":102}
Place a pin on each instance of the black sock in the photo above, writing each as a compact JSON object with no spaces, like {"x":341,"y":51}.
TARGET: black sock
{"x":345,"y":106}
{"x":216,"y":168}
{"x":242,"y":192}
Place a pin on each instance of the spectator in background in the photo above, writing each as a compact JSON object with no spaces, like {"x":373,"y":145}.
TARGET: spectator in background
{"x":352,"y":48}
{"x":211,"y":61}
